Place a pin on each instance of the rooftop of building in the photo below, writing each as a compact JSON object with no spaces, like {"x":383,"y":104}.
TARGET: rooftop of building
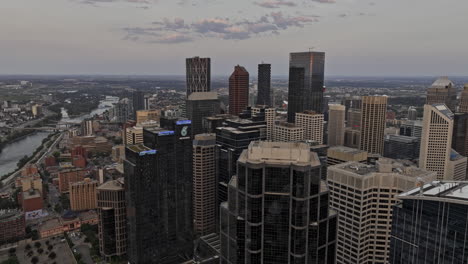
{"x":347,"y":150}
{"x":196,"y":96}
{"x":401,"y":138}
{"x":440,"y":189}
{"x":443,"y":109}
{"x":383,"y":165}
{"x":7,"y":214}
{"x":31,"y":194}
{"x":213,"y":241}
{"x":205,"y":139}
{"x":114,"y":185}
{"x":455,"y":155}
{"x":442,"y":82}
{"x":281,"y":153}
{"x":138,"y":148}
{"x":309,"y":112}
{"x":86,"y":181}
{"x":288,"y":125}
{"x":50,"y":224}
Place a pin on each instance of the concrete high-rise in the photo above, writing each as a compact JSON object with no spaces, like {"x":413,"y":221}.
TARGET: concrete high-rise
{"x":442,"y":91}
{"x":430,"y":225}
{"x":373,"y":116}
{"x":198,"y":75}
{"x":204,"y":184}
{"x":306,"y":79}
{"x":287,"y":132}
{"x":238,"y":90}
{"x":112,"y":218}
{"x":83,"y":195}
{"x":341,"y":154}
{"x":264,"y":84}
{"x":436,"y":152}
{"x":199,"y":106}
{"x":336,"y":125}
{"x":158,"y":190}
{"x":363,"y":195}
{"x":277,"y":210}
{"x":270,"y":115}
{"x":312,"y":123}
{"x":412,"y":113}
{"x":463,"y":107}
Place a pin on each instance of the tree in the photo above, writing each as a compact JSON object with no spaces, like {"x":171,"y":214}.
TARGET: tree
{"x":34,"y":260}
{"x":11,"y":260}
{"x":28,"y":247}
{"x":37,"y":244}
{"x":52,"y":255}
{"x":56,"y":154}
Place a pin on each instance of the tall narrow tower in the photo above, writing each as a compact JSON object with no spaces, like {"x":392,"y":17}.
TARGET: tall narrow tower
{"x":373,"y":114}
{"x":311,"y":92}
{"x":336,"y":124}
{"x":238,"y":90}
{"x":264,"y":84}
{"x":442,"y":91}
{"x":198,"y":75}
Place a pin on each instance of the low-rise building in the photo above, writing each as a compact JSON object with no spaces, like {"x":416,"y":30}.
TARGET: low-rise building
{"x":12,"y":225}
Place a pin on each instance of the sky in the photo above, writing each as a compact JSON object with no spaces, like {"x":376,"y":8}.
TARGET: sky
{"x":153,"y":37}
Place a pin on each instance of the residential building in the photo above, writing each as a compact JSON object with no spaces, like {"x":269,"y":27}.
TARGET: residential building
{"x":120,"y":112}
{"x":204,"y":184}
{"x":312,"y":123}
{"x":463,"y":107}
{"x":270,"y":115}
{"x":32,"y":200}
{"x":412,"y":113}
{"x":66,"y":177}
{"x":133,"y":135}
{"x":430,"y":224}
{"x":277,"y":209}
{"x":354,"y":118}
{"x":238,"y":90}
{"x":83,"y":195}
{"x":373,"y":113}
{"x":12,"y":225}
{"x":363,"y":195}
{"x":352,"y":138}
{"x":342,"y":154}
{"x":442,"y":91}
{"x":198,"y":75}
{"x":287,"y":132}
{"x":201,"y":105}
{"x":336,"y":125}
{"x":112,"y":224}
{"x":264,"y":84}
{"x":306,"y":79}
{"x":412,"y":129}
{"x":401,"y":147}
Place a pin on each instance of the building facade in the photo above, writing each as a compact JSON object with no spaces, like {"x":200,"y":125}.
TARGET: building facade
{"x":442,"y":91}
{"x":238,"y":90}
{"x":401,"y":147}
{"x":199,"y":106}
{"x":363,"y":195}
{"x":373,"y":116}
{"x":341,"y":154}
{"x":264,"y":84}
{"x":277,"y":209}
{"x":198,"y":75}
{"x":336,"y":125}
{"x":287,"y":132}
{"x":430,"y":225}
{"x":312,"y":123}
{"x":147,"y":115}
{"x":12,"y":225}
{"x":83,"y":195}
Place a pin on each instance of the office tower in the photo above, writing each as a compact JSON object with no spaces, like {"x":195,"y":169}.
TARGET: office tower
{"x":312,"y":124}
{"x":158,"y":190}
{"x":401,"y":147}
{"x":83,"y":195}
{"x":147,"y":115}
{"x":412,"y":129}
{"x":373,"y":111}
{"x":264,"y":84}
{"x":306,"y":78}
{"x":341,"y":154}
{"x":66,"y":177}
{"x":133,"y":135}
{"x":270,"y":115}
{"x":354,"y":118}
{"x":430,"y":225}
{"x":277,"y":209}
{"x":412,"y":113}
{"x":112,"y":214}
{"x":351,"y":102}
{"x":204,"y":184}
{"x":238,"y":90}
{"x":460,"y":133}
{"x":352,"y":138}
{"x":120,"y":111}
{"x":87,"y":127}
{"x":138,"y":99}
{"x":336,"y":125}
{"x":198,"y":75}
{"x":436,"y":152}
{"x":287,"y":132}
{"x":442,"y":91}
{"x":231,"y":140}
{"x":463,"y":107}
{"x":363,"y":195}
{"x":201,"y":105}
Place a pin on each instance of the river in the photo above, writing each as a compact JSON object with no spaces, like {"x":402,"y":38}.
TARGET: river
{"x":15,"y":151}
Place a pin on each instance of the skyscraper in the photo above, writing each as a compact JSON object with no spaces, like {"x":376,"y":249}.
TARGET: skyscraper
{"x":363,"y":195}
{"x":158,"y":182}
{"x":112,"y":218}
{"x":460,"y":133}
{"x":138,"y":99}
{"x":287,"y":132}
{"x":264,"y":84}
{"x":270,"y":114}
{"x":312,"y":123}
{"x":238,"y":90}
{"x":201,"y":105}
{"x":306,"y":85}
{"x":204,"y":184}
{"x":277,"y":209}
{"x":464,"y":100}
{"x":401,"y":147}
{"x":373,"y":114}
{"x":83,"y":195}
{"x":198,"y":75}
{"x":430,"y":225}
{"x":436,"y":152}
{"x":412,"y":113}
{"x":442,"y":91}
{"x":336,"y":125}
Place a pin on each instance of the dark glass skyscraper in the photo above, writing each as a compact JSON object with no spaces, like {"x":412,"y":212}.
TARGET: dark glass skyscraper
{"x":311,"y":91}
{"x":264,"y":84}
{"x":138,"y":99}
{"x":201,"y":105}
{"x":278,"y":208}
{"x":431,"y":225}
{"x":158,"y":182}
{"x":198,"y":75}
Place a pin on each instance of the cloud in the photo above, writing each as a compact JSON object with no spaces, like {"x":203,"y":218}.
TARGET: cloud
{"x":176,"y":30}
{"x":325,"y":1}
{"x":275,"y":4}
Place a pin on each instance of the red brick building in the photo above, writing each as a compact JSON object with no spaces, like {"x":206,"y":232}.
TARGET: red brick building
{"x":50,"y":161}
{"x":12,"y":226}
{"x":70,"y":176}
{"x":238,"y":90}
{"x":32,"y":201}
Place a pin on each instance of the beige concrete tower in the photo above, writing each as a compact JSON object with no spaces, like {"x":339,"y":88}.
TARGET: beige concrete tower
{"x":363,"y":195}
{"x":270,"y":115}
{"x":83,"y":195}
{"x":373,"y":114}
{"x":287,"y":132}
{"x":336,"y":125}
{"x":312,"y":123}
{"x":464,"y":100}
{"x":436,"y":152}
{"x":204,"y":184}
{"x":442,"y":91}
